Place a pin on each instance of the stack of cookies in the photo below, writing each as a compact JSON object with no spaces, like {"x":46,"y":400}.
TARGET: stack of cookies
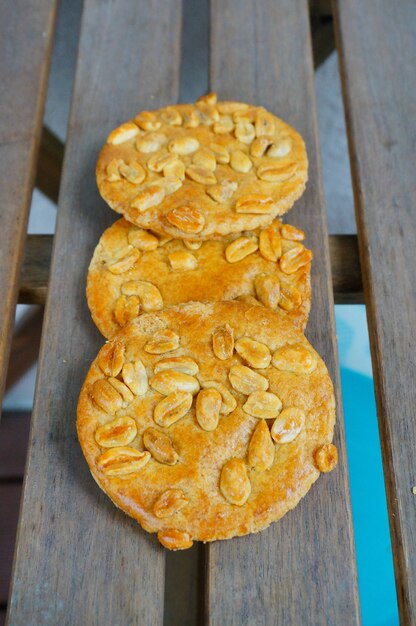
{"x":206,"y":414}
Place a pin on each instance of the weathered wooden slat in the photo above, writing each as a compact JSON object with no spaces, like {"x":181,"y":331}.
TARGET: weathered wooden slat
{"x":26,"y":30}
{"x":345,"y":265}
{"x":79,"y":560}
{"x":302,"y":569}
{"x":377,"y":46}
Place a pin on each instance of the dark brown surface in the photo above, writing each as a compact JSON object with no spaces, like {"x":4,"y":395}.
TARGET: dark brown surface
{"x":345,"y":269}
{"x":302,"y":569}
{"x":48,"y":173}
{"x":23,"y":78}
{"x":14,"y":435}
{"x":377,"y":43}
{"x":89,"y":563}
{"x":25,"y":345}
{"x":34,"y":276}
{"x":345,"y":264}
{"x":10,"y":499}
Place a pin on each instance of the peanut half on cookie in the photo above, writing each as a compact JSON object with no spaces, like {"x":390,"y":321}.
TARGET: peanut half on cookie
{"x":203,"y":170}
{"x":134,"y":271}
{"x":207,"y":421}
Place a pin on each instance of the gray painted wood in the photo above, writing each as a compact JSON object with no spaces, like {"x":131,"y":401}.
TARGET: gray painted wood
{"x":26,"y":32}
{"x":302,"y":569}
{"x":377,"y":45}
{"x":79,"y":560}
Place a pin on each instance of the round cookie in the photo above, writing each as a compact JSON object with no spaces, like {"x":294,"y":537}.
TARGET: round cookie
{"x":199,"y":171}
{"x":133,"y":271}
{"x":207,"y":421}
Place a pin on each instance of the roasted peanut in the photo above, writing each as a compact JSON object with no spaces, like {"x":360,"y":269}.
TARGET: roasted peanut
{"x":207,"y":408}
{"x":105,"y":396}
{"x":268,"y":290}
{"x":169,"y":502}
{"x":223,"y":342}
{"x":229,"y":403}
{"x":326,"y":457}
{"x":111,"y":358}
{"x":294,"y":259}
{"x":174,"y":539}
{"x":148,"y":198}
{"x":234,"y":482}
{"x":172,"y":408}
{"x":160,"y":446}
{"x":186,"y":219}
{"x":163,"y":341}
{"x":122,"y":461}
{"x":240,"y":248}
{"x":142,"y":239}
{"x":263,"y":404}
{"x":135,"y":377}
{"x":168,"y":381}
{"x":255,"y":203}
{"x":123,"y":133}
{"x":244,"y":380}
{"x":261,"y":448}
{"x":126,"y":309}
{"x":150,"y":296}
{"x":295,"y":358}
{"x":183,"y":364}
{"x":270,"y":244}
{"x":119,"y":432}
{"x":254,"y":353}
{"x":288,"y":425}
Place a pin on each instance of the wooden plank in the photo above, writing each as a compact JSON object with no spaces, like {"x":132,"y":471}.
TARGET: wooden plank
{"x":89,"y":562}
{"x":345,"y":265}
{"x":302,"y":569}
{"x":26,"y":29}
{"x":377,"y":45}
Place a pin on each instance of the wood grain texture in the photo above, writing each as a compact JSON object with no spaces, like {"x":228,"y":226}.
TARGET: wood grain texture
{"x":345,"y":266}
{"x":89,"y":563}
{"x":26,"y":30}
{"x":377,"y":45}
{"x":302,"y":569}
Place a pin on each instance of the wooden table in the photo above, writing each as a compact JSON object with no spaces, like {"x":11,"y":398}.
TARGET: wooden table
{"x":79,"y":560}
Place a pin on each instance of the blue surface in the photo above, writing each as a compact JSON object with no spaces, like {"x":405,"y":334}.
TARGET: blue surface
{"x":372,"y":537}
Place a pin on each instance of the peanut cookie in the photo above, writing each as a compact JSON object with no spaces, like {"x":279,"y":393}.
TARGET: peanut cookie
{"x":198,"y":171}
{"x":134,"y":271}
{"x":207,"y":421}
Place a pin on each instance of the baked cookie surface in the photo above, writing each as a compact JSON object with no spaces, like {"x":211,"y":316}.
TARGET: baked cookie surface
{"x":203,"y":170}
{"x":207,"y":421}
{"x":133,"y":271}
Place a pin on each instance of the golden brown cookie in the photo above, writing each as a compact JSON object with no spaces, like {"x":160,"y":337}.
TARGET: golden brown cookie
{"x":207,"y":421}
{"x":134,"y":271}
{"x":203,"y":170}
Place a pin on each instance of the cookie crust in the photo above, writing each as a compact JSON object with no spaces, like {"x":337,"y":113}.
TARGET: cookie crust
{"x":221,"y":484}
{"x":203,"y":170}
